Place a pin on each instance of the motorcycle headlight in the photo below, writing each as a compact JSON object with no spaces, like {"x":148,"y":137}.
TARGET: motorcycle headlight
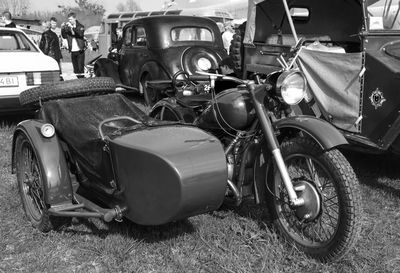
{"x":204,"y":64}
{"x":291,"y":85}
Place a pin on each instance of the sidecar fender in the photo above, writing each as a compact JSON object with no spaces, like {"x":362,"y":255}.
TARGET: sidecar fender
{"x":51,"y":159}
{"x":325,"y":134}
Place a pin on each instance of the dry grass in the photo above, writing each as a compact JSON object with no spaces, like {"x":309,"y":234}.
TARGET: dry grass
{"x":227,"y":240}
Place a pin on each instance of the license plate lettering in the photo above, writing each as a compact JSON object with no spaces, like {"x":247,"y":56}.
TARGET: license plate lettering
{"x":8,"y":81}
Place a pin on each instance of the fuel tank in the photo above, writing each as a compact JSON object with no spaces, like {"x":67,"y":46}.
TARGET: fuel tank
{"x":232,"y":109}
{"x":168,"y":173}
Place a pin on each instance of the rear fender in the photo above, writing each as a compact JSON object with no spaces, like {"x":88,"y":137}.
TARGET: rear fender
{"x":58,"y":188}
{"x":107,"y":68}
{"x":326,"y":135}
{"x":155,"y":69}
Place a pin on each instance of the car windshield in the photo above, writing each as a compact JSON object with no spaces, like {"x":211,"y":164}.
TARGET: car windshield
{"x":191,"y":34}
{"x":15,"y":41}
{"x":383,"y":15}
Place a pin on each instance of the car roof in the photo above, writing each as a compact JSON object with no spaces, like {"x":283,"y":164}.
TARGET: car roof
{"x":173,"y":20}
{"x":11,"y":29}
{"x":160,"y":26}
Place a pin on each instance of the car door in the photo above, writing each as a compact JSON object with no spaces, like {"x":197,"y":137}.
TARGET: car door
{"x":134,"y":53}
{"x":381,"y":43}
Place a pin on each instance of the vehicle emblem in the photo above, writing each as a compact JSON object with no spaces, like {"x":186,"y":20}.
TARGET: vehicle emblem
{"x":377,"y":98}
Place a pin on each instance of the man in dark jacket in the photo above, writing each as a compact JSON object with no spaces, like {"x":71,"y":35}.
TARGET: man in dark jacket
{"x":73,"y":31}
{"x":49,"y":43}
{"x":8,"y":19}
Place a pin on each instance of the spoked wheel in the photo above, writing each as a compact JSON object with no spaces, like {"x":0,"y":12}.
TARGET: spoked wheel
{"x":328,"y":224}
{"x":31,"y":188}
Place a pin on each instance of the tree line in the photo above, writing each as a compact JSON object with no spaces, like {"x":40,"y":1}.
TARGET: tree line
{"x":88,"y":13}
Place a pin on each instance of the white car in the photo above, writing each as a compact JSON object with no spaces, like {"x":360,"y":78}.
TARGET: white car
{"x":23,"y":66}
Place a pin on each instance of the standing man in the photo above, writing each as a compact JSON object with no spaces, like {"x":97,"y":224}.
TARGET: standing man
{"x":49,"y":43}
{"x":73,"y":31}
{"x":8,"y":19}
{"x":228,"y":35}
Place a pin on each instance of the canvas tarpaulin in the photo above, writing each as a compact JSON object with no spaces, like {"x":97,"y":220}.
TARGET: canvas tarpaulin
{"x":334,"y":82}
{"x":76,"y":121}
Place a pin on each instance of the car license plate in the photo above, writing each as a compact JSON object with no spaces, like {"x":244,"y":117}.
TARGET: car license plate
{"x":7,"y":81}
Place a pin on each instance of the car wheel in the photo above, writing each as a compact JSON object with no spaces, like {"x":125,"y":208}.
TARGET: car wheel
{"x":31,"y":186}
{"x":67,"y":89}
{"x":151,"y":95}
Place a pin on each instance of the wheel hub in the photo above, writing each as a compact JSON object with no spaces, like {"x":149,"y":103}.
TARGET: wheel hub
{"x":312,"y":201}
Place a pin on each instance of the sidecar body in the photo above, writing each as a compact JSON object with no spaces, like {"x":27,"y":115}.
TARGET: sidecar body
{"x":107,"y":159}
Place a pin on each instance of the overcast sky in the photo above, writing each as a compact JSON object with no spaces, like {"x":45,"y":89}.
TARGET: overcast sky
{"x":109,"y":5}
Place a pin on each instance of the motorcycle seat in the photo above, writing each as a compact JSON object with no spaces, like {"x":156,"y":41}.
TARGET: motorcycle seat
{"x":194,"y":101}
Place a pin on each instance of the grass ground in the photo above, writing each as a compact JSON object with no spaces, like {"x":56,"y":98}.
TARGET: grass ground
{"x":228,"y":240}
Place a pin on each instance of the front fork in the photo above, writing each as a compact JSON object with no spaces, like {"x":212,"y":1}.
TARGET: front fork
{"x":273,"y":146}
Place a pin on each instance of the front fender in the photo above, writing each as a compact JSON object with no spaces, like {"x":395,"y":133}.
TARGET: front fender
{"x":51,"y":159}
{"x":105,"y":67}
{"x":325,"y":134}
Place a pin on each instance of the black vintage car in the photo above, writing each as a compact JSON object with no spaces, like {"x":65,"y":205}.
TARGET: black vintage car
{"x":348,"y":51}
{"x":156,"y":47}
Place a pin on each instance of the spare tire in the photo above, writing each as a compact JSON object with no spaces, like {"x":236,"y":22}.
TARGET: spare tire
{"x":235,"y":52}
{"x":67,"y":89}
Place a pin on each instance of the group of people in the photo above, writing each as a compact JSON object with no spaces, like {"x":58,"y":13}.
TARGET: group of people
{"x":72,"y":31}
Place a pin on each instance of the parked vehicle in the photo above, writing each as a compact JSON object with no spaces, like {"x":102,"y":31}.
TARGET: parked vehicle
{"x":108,"y":33}
{"x":348,"y":52}
{"x":23,"y":66}
{"x":155,"y":48}
{"x":95,"y":156}
{"x":290,"y":163}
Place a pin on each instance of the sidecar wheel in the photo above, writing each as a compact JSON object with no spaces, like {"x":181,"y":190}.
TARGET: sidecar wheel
{"x":327,"y":226}
{"x":31,"y":188}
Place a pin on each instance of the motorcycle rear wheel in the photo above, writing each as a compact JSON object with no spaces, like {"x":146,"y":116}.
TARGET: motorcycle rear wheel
{"x":333,"y":200}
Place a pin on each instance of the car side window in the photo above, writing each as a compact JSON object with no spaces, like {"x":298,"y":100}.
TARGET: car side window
{"x":140,"y":37}
{"x":128,"y":36}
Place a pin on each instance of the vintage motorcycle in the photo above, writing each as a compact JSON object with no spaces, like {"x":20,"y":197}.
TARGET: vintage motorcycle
{"x":290,"y":163}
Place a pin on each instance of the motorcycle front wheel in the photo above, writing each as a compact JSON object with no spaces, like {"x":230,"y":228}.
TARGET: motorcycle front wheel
{"x":327,"y":225}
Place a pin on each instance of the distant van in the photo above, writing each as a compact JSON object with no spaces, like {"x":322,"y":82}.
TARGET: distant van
{"x":108,"y":34}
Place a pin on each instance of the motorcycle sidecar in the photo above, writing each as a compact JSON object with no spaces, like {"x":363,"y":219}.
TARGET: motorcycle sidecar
{"x":107,"y":159}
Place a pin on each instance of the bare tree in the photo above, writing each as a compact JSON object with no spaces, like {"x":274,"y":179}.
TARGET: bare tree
{"x":16,"y":7}
{"x":129,"y":5}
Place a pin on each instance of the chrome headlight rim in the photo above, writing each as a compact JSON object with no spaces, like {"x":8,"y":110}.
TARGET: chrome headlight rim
{"x":284,"y":81}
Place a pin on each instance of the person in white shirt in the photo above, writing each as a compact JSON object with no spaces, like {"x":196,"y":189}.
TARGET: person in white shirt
{"x":227,"y":35}
{"x":73,"y":31}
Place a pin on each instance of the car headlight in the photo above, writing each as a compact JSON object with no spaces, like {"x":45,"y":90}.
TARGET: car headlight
{"x":204,"y":64}
{"x":291,"y":85}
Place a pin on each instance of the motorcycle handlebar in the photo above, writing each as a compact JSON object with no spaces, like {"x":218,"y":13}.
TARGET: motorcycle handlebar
{"x":209,"y":76}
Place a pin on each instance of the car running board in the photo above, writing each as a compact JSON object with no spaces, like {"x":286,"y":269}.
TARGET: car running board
{"x":89,"y":208}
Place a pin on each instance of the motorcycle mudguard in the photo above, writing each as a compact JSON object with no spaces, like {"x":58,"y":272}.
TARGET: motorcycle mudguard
{"x":50,"y":156}
{"x":169,"y":172}
{"x":326,"y":135}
